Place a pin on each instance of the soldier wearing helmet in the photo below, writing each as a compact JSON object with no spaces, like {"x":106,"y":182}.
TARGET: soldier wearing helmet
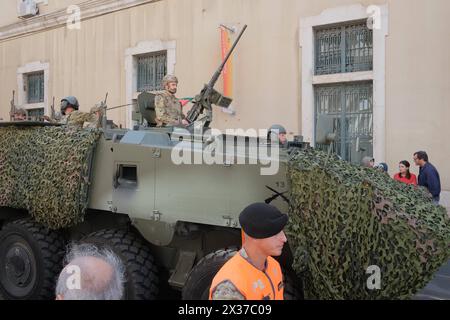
{"x":68,"y":105}
{"x":70,"y":114}
{"x":277,"y":133}
{"x":167,"y":106}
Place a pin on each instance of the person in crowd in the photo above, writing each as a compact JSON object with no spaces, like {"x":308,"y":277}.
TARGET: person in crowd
{"x":91,"y":273}
{"x":404,"y":175}
{"x":428,"y":175}
{"x":368,"y":162}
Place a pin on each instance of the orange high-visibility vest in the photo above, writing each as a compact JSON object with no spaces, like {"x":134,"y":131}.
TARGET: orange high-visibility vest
{"x":251,"y":282}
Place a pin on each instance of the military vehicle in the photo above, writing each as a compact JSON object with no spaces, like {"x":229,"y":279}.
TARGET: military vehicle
{"x":171,"y":224}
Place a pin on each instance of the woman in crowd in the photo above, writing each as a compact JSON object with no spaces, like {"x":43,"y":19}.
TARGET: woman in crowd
{"x":404,"y":175}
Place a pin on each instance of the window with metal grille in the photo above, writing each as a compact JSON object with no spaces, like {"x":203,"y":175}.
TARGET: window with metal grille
{"x":35,"y":88}
{"x":151,"y":70}
{"x":35,"y":114}
{"x":345,"y":48}
{"x":351,"y":107}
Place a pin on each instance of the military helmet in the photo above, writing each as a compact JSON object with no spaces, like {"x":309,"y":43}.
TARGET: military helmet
{"x":273,"y":133}
{"x":69,"y":101}
{"x":168,"y":78}
{"x":277,"y":127}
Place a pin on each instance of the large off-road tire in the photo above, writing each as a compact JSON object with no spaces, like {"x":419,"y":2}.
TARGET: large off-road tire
{"x":199,"y":281}
{"x":30,"y":260}
{"x":141,"y":271}
{"x":293,"y":286}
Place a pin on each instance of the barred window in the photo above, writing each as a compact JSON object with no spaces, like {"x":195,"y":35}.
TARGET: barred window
{"x":151,"y":70}
{"x":346,"y":48}
{"x":35,"y":82}
{"x":351,"y":107}
{"x":35,"y":114}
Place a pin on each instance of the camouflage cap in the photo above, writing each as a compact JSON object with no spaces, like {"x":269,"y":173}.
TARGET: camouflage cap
{"x":169,"y":78}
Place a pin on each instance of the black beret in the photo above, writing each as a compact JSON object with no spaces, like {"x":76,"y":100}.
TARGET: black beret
{"x":261,"y":220}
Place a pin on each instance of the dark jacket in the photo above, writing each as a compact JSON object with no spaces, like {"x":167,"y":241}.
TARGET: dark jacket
{"x":429,"y":178}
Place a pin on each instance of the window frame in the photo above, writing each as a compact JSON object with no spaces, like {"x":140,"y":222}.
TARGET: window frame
{"x":22,"y":85}
{"x":157,"y":85}
{"x":344,"y":115}
{"x":343,"y":51}
{"x":342,"y":14}
{"x":131,"y":54}
{"x":41,"y":84}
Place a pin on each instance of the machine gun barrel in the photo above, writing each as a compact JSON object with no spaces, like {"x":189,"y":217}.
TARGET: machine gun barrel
{"x":202,"y":101}
{"x":216,"y":76}
{"x":12,"y":110}
{"x":52,"y":109}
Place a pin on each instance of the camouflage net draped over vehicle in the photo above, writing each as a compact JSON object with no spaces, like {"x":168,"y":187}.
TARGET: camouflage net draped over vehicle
{"x":345,"y":218}
{"x":45,"y":171}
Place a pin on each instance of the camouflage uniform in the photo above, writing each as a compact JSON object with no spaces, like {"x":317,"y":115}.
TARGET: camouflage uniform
{"x":76,"y":119}
{"x":227,"y":291}
{"x":94,"y":121}
{"x":168,"y":109}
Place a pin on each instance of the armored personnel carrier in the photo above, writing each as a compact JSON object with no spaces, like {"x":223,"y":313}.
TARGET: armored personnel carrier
{"x":172,"y":224}
{"x":165,"y":200}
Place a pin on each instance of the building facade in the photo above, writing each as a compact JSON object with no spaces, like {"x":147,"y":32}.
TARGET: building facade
{"x":379,"y":69}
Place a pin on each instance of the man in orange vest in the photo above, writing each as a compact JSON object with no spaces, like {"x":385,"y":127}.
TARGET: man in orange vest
{"x":252,"y":273}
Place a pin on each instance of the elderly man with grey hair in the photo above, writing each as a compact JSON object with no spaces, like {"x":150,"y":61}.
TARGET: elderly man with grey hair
{"x":368,"y":162}
{"x":91,"y":273}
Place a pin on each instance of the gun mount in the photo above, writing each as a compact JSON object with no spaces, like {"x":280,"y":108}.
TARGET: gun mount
{"x":202,"y":103}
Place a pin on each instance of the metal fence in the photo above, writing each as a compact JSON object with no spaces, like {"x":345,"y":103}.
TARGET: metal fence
{"x":151,"y":69}
{"x":346,"y":48}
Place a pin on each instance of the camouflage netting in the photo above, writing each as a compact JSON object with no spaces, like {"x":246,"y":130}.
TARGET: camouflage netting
{"x":45,"y":171}
{"x":345,"y":218}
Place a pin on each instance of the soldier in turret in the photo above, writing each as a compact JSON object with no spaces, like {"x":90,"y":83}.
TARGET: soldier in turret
{"x":71,"y":116}
{"x":167,"y":106}
{"x":277,"y":133}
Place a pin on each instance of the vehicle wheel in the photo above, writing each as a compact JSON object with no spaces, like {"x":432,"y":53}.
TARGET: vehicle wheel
{"x":293,"y":288}
{"x":141,"y":272}
{"x":30,"y":260}
{"x":199,"y":281}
